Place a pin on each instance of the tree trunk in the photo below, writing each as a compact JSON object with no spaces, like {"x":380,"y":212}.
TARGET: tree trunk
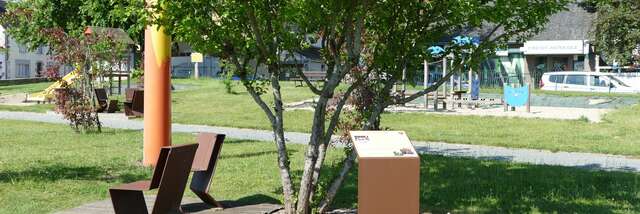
{"x":311,"y":157}
{"x":283,"y":157}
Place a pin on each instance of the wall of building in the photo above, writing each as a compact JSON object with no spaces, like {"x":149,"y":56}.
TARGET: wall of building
{"x":20,"y":63}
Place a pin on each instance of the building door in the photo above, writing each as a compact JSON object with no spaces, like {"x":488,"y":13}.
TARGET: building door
{"x":539,"y":68}
{"x":560,"y":64}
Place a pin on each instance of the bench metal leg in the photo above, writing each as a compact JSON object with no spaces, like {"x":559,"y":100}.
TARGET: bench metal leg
{"x":200,"y":183}
{"x":128,"y":202}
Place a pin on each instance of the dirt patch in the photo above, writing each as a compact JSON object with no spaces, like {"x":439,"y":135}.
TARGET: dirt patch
{"x":15,"y":100}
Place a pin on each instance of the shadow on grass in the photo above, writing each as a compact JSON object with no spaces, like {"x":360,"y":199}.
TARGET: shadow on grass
{"x":248,"y":155}
{"x":55,"y":172}
{"x":461,"y":185}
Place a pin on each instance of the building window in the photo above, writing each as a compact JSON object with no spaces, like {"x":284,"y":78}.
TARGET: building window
{"x":22,"y":69}
{"x":40,"y":50}
{"x":22,"y":49}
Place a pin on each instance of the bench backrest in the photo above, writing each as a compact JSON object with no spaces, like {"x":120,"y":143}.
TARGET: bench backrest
{"x":138,"y":101}
{"x":174,"y":175}
{"x":128,"y":94}
{"x":210,"y":145}
{"x":101,"y":94}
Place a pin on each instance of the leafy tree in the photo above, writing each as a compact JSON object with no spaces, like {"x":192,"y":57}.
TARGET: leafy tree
{"x":92,"y":55}
{"x":617,"y":31}
{"x":399,"y":34}
{"x":25,"y":19}
{"x":365,"y":45}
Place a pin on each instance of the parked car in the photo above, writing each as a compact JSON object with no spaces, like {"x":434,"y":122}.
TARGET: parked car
{"x":585,"y":82}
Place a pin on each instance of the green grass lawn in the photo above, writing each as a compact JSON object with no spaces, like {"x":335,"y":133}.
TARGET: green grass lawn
{"x":204,"y":102}
{"x":207,"y":104}
{"x":617,"y":134}
{"x":46,"y":168}
{"x":23,"y":88}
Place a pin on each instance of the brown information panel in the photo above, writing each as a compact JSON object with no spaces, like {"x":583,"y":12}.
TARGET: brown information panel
{"x":388,"y":172}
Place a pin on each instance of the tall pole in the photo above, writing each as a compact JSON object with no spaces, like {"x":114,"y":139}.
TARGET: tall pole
{"x":444,"y":73}
{"x":196,"y":70}
{"x":157,"y":92}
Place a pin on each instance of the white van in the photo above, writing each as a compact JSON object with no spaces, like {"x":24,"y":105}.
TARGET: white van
{"x":585,"y":82}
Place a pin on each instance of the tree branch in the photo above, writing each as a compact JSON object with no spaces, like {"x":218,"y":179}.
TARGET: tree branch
{"x":252,"y":91}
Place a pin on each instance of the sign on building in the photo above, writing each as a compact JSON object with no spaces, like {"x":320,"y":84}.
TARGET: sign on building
{"x":558,"y":47}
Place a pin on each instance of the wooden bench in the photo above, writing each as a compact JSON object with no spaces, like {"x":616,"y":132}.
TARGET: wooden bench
{"x":111,"y":106}
{"x":134,"y":102}
{"x":314,"y":76}
{"x":169,"y":177}
{"x":204,"y":166}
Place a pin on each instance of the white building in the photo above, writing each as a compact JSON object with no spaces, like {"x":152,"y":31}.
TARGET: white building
{"x":18,"y":62}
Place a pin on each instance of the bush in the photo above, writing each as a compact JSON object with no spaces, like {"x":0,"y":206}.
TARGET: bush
{"x":76,"y":107}
{"x":228,"y":82}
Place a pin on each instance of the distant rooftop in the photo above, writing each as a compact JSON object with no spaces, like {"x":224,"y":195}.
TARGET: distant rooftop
{"x":117,"y":33}
{"x":573,"y":24}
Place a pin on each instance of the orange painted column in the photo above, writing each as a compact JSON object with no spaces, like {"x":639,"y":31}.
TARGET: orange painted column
{"x":157,"y":92}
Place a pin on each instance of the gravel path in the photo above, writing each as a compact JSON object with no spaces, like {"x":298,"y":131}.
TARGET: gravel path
{"x":530,"y":156}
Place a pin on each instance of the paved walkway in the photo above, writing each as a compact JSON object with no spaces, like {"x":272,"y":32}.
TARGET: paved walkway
{"x":531,"y":156}
{"x":189,"y":205}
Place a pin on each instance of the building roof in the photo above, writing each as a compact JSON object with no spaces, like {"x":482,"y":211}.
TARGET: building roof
{"x":574,"y":24}
{"x":117,"y":33}
{"x":311,"y":53}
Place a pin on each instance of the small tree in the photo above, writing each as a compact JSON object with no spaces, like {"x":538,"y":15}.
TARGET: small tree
{"x":93,"y":56}
{"x":29,"y":17}
{"x":363,"y":43}
{"x":617,"y":32}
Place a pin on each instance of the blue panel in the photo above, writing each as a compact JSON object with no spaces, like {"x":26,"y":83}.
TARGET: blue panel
{"x":516,"y":96}
{"x":475,"y":89}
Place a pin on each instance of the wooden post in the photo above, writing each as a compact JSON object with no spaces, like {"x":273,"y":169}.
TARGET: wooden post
{"x":444,"y":73}
{"x":460,"y":82}
{"x":426,"y":82}
{"x":404,"y":82}
{"x":470,"y":82}
{"x":157,"y":92}
{"x":597,"y":63}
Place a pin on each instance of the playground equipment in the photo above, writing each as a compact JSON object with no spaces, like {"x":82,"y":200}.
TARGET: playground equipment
{"x":49,"y":92}
{"x":121,"y":69}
